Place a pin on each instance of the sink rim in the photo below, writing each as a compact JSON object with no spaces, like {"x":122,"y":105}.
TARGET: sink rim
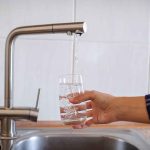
{"x":124,"y":135}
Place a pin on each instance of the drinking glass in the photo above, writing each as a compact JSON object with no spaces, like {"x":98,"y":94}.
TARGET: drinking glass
{"x":71,"y":85}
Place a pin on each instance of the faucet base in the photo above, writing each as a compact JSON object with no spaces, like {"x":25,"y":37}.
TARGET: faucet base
{"x":8,"y":138}
{"x":8,"y":129}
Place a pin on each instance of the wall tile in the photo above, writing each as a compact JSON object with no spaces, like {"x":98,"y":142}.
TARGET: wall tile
{"x":112,"y":56}
{"x":114,"y":20}
{"x":20,"y":13}
{"x":149,"y":49}
{"x":2,"y":55}
{"x":116,"y":68}
{"x":38,"y":64}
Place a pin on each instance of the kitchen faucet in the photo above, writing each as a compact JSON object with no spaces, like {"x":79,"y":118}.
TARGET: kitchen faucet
{"x":9,"y":113}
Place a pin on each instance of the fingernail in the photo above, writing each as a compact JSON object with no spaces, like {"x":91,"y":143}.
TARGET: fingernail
{"x":71,"y":100}
{"x":77,"y":127}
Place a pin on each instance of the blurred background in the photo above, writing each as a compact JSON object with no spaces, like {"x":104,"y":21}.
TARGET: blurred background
{"x":113,"y":56}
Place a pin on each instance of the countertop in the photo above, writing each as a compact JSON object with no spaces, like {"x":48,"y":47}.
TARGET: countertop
{"x":59,"y":124}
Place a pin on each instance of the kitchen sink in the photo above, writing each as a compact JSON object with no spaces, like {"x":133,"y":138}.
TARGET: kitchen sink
{"x":85,"y":139}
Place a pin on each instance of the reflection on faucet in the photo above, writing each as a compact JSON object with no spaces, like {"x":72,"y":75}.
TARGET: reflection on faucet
{"x":19,"y":113}
{"x":9,"y":113}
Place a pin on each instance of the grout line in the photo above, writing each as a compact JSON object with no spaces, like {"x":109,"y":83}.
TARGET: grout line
{"x":2,"y":38}
{"x":74,"y":17}
{"x":73,"y":56}
{"x":74,"y":43}
{"x":113,"y":42}
{"x":38,"y":39}
{"x":82,"y":40}
{"x":148,"y":88}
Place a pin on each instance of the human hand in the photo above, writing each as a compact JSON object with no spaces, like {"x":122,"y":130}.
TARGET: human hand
{"x":100,"y":108}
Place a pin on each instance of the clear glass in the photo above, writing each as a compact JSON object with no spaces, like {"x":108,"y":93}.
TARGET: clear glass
{"x":71,"y":85}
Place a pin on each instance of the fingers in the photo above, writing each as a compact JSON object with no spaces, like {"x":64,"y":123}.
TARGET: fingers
{"x":72,"y":95}
{"x":89,"y":113}
{"x":89,"y":104}
{"x":78,"y":107}
{"x":87,"y":123}
{"x":87,"y":95}
{"x":80,"y":126}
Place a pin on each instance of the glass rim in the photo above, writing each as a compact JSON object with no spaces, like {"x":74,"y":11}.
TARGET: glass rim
{"x":69,"y":74}
{"x":66,"y":78}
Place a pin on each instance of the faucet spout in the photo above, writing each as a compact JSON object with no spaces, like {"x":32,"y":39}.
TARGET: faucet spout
{"x":9,"y":113}
{"x":77,"y":28}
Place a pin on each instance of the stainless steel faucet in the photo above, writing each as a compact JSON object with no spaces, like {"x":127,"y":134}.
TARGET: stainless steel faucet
{"x":9,"y":113}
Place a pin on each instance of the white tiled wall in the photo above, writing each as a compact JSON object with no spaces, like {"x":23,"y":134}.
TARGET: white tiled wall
{"x":38,"y":64}
{"x":112,"y":56}
{"x":115,"y":48}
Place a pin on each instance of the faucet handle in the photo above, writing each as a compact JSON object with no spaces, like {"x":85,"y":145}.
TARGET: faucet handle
{"x":37,"y":100}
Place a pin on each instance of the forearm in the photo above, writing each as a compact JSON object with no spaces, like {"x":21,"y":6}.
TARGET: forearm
{"x":131,"y":109}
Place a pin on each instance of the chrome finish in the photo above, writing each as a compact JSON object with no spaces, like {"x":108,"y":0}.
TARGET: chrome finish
{"x":96,"y":139}
{"x":19,"y":113}
{"x":9,"y":113}
{"x":77,"y":27}
{"x":37,"y":100}
{"x":6,"y":144}
{"x":74,"y":143}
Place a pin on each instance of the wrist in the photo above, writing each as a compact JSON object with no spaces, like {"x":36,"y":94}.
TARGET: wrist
{"x":131,"y":109}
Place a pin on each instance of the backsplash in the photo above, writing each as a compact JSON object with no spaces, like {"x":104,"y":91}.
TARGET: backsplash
{"x":113,"y":56}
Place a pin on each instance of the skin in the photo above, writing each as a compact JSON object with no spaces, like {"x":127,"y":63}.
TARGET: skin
{"x":105,"y":108}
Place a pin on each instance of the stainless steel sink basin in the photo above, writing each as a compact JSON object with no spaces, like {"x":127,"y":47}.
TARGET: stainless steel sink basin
{"x":85,"y":139}
{"x":74,"y":143}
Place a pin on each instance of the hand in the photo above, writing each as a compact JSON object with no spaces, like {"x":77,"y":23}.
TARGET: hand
{"x":100,"y":107}
{"x":105,"y":108}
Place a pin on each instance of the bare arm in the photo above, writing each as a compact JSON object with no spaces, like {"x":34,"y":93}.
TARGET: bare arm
{"x":105,"y":108}
{"x":131,"y":109}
